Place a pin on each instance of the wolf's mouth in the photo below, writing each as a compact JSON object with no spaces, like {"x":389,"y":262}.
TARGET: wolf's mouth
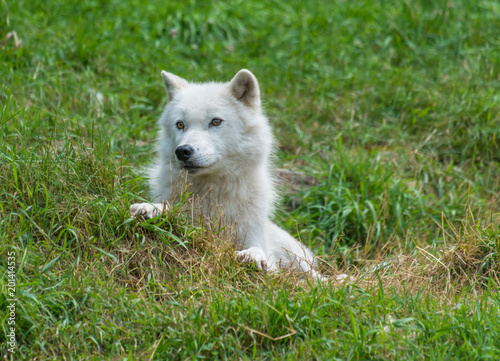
{"x":191,"y":168}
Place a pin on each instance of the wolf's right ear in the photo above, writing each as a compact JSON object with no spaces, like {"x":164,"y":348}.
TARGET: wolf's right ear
{"x":173,"y":83}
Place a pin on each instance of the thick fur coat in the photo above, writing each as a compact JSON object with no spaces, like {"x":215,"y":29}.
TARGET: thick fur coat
{"x":217,"y":136}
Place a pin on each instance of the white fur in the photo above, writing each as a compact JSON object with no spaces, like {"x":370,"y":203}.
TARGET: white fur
{"x":234,"y":160}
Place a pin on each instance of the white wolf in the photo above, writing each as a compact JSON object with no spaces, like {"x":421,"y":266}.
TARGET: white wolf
{"x":218,"y":134}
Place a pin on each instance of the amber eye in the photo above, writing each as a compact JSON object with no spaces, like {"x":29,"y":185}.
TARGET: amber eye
{"x":180,"y":125}
{"x":216,"y":122}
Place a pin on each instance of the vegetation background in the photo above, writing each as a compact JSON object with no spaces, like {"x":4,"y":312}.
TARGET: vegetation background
{"x":391,"y":108}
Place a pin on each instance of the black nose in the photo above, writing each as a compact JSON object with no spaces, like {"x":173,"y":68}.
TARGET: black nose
{"x":184,"y":152}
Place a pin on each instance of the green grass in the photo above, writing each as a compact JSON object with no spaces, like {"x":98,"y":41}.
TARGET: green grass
{"x":393,"y":107}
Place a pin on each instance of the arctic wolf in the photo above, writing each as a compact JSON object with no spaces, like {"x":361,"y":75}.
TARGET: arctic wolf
{"x":217,"y":136}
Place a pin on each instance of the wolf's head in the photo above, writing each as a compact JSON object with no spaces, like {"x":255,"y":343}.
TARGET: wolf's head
{"x":214,"y":128}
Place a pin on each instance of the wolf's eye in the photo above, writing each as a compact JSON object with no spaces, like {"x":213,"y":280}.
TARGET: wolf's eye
{"x":180,"y":125}
{"x":216,"y":122}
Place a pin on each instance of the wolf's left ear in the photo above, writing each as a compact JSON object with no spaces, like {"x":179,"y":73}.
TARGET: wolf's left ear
{"x":245,"y":88}
{"x":173,"y":83}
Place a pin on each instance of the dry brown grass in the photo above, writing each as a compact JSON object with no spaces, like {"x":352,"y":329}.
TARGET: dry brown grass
{"x":468,"y":258}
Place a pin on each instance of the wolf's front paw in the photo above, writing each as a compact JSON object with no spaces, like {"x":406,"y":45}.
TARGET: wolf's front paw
{"x":253,"y":255}
{"x":341,"y":278}
{"x":145,"y":210}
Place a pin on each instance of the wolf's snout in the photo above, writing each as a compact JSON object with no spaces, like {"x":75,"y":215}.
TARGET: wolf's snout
{"x":184,"y":152}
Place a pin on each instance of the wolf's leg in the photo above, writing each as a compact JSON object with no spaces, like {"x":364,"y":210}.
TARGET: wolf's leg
{"x":290,"y":253}
{"x":147,"y":210}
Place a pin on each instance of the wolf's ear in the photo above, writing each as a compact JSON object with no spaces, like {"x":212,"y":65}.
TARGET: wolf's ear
{"x":245,"y":88}
{"x":173,"y":83}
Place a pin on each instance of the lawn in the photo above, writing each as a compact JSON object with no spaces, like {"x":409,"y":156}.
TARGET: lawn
{"x":387,"y":112}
